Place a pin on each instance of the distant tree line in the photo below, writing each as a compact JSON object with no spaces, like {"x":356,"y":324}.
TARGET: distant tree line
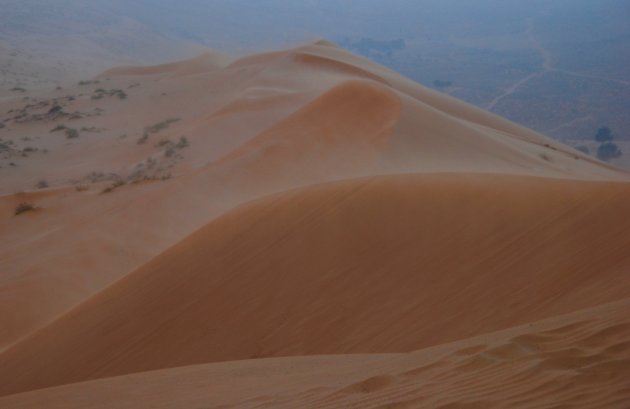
{"x":442,"y":83}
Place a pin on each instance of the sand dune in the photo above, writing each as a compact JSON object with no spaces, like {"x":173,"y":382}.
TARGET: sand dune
{"x":575,"y":360}
{"x":201,"y":64}
{"x":260,"y":105}
{"x":353,"y":267}
{"x":302,"y":202}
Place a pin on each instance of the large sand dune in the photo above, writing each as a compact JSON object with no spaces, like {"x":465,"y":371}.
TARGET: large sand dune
{"x":301,"y":202}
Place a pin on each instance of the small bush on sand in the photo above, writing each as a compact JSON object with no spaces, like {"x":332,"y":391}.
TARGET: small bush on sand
{"x":72,"y":133}
{"x":24,"y":207}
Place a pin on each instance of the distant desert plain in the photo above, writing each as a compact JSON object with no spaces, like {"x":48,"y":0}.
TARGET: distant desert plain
{"x":302,"y":228}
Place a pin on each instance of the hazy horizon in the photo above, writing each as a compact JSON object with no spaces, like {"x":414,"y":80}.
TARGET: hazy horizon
{"x":474,"y":50}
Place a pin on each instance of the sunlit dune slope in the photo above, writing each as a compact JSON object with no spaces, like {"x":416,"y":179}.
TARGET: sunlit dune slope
{"x":384,"y":264}
{"x":580,"y":360}
{"x":203,"y":63}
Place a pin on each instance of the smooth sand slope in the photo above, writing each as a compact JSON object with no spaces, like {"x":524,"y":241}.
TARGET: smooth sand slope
{"x":256,"y":126}
{"x":578,"y":360}
{"x":301,"y":202}
{"x":386,"y":264}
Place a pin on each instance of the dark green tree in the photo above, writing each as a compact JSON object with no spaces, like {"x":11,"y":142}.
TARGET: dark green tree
{"x":608,"y":151}
{"x":604,"y":134}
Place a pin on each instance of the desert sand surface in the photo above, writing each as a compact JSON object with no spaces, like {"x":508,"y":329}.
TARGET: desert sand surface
{"x":578,"y":360}
{"x":283,"y":229}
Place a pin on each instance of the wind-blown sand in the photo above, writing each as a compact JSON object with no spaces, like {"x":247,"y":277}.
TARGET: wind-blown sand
{"x":323,"y":206}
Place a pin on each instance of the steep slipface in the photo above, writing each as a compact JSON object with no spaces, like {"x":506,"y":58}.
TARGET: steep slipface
{"x":386,"y":264}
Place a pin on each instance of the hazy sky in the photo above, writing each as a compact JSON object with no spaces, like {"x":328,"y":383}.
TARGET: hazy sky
{"x":262,"y":23}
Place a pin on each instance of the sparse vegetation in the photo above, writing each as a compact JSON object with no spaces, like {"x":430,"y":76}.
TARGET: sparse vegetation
{"x":100,"y":93}
{"x":162,"y":142}
{"x":24,"y":207}
{"x":155,"y":128}
{"x":116,"y":184}
{"x":56,"y":109}
{"x":91,"y":129}
{"x":71,"y":133}
{"x":42,"y":184}
{"x":89,"y":82}
{"x":160,"y":125}
{"x":583,"y":149}
{"x":182,"y":143}
{"x":143,"y":139}
{"x":18,"y":89}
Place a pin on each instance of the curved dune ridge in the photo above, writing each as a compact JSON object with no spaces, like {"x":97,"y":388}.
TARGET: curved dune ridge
{"x":203,"y":63}
{"x":326,"y":217}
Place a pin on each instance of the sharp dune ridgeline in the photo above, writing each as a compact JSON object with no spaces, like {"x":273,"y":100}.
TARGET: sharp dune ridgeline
{"x":302,"y":228}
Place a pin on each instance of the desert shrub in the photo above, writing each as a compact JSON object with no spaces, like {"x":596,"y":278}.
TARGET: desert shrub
{"x":182,"y":143}
{"x":56,"y":109}
{"x":162,"y":142}
{"x":42,"y":184}
{"x":71,"y":133}
{"x":143,"y":139}
{"x":24,"y":207}
{"x":100,"y":93}
{"x":583,"y":149}
{"x":116,"y":184}
{"x":58,"y":128}
{"x":155,"y":128}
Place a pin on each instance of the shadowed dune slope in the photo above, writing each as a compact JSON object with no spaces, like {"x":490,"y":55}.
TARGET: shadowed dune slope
{"x":384,"y":264}
{"x":579,"y":360}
